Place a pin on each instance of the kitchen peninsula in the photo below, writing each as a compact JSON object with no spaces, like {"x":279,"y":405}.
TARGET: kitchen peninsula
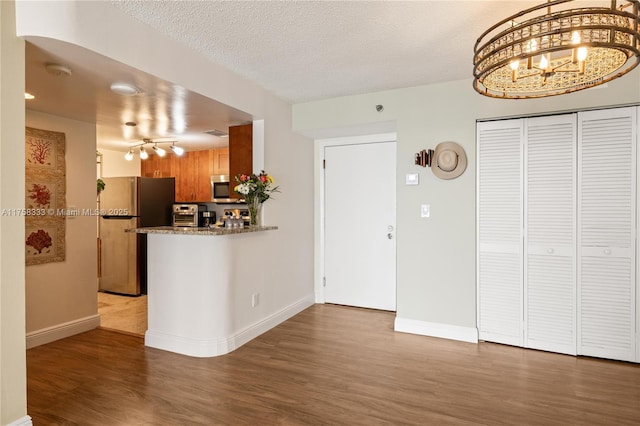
{"x":204,"y":287}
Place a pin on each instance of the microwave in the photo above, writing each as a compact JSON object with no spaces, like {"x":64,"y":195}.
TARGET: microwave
{"x":221,"y":189}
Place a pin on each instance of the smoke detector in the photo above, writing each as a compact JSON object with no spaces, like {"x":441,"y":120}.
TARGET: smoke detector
{"x":57,"y":69}
{"x":125,"y":89}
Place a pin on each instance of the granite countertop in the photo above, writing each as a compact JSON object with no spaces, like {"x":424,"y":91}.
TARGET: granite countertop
{"x":199,"y":231}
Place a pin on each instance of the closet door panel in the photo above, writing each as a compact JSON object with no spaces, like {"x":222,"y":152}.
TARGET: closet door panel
{"x":607,"y":204}
{"x":499,"y":213}
{"x":550,"y":216}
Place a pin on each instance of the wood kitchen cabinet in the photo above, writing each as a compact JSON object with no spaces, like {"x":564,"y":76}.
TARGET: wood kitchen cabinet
{"x":221,"y":161}
{"x":156,"y":166}
{"x":193,"y":170}
{"x":240,"y":153}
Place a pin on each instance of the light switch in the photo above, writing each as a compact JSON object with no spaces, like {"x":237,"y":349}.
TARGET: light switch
{"x":412,"y":179}
{"x":425,"y":210}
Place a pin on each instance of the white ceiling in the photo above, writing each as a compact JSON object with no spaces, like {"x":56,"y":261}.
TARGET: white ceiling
{"x":299,"y":50}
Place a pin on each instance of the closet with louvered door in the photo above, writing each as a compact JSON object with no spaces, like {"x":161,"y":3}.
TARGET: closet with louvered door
{"x":549,"y":235}
{"x":499,"y":241}
{"x":606,"y":233}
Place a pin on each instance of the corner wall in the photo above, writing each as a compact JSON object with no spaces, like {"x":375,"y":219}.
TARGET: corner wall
{"x":13,"y":383}
{"x":115,"y":165}
{"x":436,"y":256}
{"x":61,"y":297}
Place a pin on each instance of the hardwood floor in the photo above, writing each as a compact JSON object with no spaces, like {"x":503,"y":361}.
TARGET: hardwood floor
{"x":123,"y":313}
{"x":329,"y":365}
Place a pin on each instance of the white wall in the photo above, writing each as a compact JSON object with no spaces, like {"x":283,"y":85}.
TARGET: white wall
{"x":63,"y":294}
{"x":436,"y":256}
{"x":114,"y":164}
{"x":13,"y":383}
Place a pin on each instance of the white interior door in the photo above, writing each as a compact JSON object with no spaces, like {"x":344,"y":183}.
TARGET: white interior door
{"x":360,"y":220}
{"x":550,"y":236}
{"x":606,"y":233}
{"x":500,"y":216}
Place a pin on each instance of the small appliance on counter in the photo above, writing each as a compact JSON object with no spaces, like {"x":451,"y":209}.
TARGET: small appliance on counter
{"x":187,"y":215}
{"x":238,"y":214}
{"x":207,"y":218}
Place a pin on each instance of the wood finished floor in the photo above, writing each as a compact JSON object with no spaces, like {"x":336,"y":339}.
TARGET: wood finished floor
{"x":123,"y":313}
{"x":329,"y":365}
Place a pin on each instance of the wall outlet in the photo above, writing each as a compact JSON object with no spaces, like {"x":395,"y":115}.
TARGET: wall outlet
{"x":255,"y":299}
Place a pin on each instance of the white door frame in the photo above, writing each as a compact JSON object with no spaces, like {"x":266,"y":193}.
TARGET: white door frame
{"x":318,"y":208}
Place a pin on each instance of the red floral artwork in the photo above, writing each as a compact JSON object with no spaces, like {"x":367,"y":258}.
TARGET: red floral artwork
{"x":39,"y":240}
{"x":40,"y":195}
{"x":40,"y":150}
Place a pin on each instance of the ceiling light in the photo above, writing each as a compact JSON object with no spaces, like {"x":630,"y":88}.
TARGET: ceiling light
{"x":125,"y":89}
{"x":176,"y":149}
{"x":551,"y":49}
{"x":57,"y":70}
{"x":158,"y":150}
{"x":28,"y":96}
{"x":161,"y":152}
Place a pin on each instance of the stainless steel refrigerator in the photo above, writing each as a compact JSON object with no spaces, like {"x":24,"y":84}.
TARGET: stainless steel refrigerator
{"x":130,"y":202}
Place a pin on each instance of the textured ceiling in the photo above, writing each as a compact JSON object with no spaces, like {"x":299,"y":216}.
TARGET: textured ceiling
{"x":309,"y":50}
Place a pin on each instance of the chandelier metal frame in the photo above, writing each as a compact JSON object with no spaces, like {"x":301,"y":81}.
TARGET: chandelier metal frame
{"x":552,"y":49}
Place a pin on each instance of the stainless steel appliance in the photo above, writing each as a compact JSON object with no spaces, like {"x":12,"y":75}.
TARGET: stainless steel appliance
{"x":187,"y":215}
{"x":221,"y":189}
{"x":130,"y":202}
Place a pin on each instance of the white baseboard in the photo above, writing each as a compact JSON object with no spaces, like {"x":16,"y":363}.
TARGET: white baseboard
{"x":23,"y":421}
{"x":60,"y":331}
{"x":215,"y":347}
{"x":433,"y":329}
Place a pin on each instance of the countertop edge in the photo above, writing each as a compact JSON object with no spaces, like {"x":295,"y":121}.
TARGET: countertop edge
{"x":170,"y":230}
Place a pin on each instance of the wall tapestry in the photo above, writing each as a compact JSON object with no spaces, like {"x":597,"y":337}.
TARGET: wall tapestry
{"x":45,"y":176}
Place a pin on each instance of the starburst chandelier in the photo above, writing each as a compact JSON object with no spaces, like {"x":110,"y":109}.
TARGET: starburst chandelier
{"x":556,"y":48}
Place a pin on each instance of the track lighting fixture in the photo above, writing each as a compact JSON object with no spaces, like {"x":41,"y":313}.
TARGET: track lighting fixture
{"x":157,"y":150}
{"x":161,"y":152}
{"x":176,"y":149}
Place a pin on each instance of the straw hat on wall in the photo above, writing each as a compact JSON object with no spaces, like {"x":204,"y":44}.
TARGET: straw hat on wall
{"x":449,"y":160}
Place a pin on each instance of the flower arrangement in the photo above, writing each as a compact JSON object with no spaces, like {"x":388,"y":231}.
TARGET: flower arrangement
{"x":255,"y":189}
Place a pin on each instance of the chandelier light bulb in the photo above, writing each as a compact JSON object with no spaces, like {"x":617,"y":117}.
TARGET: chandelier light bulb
{"x":143,"y":153}
{"x":544,"y":63}
{"x":582,"y":53}
{"x":129,"y":155}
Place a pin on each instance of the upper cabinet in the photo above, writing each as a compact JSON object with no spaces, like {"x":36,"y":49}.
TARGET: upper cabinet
{"x":193,"y":170}
{"x":221,"y":161}
{"x":240,"y":152}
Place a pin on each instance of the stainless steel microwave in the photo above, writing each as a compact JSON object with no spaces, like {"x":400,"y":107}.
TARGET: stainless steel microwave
{"x":221,"y":189}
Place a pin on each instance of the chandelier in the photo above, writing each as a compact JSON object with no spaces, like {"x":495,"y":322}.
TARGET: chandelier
{"x":158,"y":150}
{"x":552,"y":49}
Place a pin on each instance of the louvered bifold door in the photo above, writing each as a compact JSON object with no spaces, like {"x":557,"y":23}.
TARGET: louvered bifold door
{"x":499,"y":228}
{"x":550,"y":240}
{"x":606,"y":233}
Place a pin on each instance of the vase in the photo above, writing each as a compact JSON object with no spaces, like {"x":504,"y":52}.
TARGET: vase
{"x":255,"y":209}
